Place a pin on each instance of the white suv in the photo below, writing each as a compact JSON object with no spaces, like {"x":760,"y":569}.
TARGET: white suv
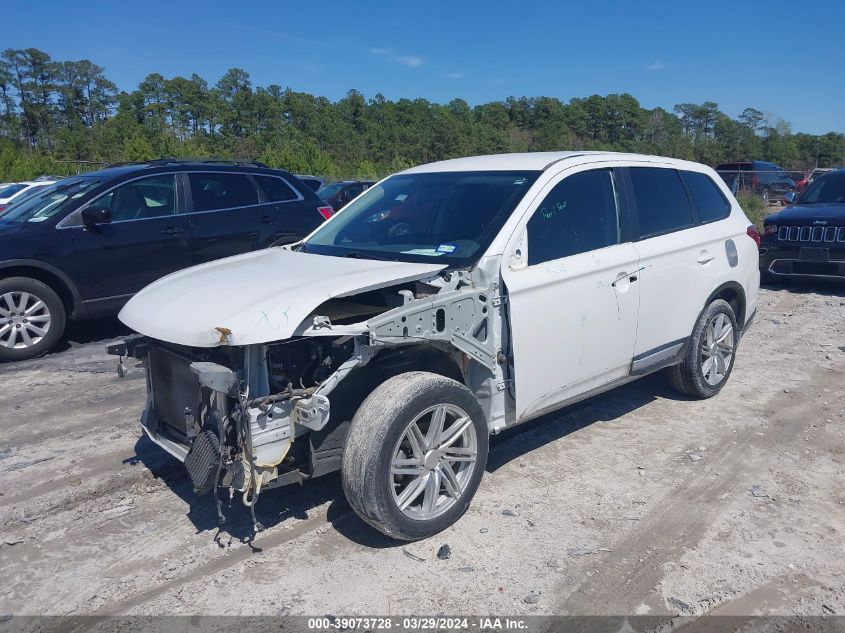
{"x":447,"y":302}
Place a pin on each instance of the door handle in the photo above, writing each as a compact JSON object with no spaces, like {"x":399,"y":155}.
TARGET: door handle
{"x":705,"y":257}
{"x":632,"y":277}
{"x":172,"y":230}
{"x":266,"y":219}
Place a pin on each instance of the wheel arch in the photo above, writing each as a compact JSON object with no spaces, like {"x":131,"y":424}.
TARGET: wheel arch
{"x":327,"y":444}
{"x":393,"y":361}
{"x":734,"y":294}
{"x":50,"y":275}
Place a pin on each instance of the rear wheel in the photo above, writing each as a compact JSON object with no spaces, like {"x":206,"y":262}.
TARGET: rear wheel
{"x":709,"y":358}
{"x":32,"y":318}
{"x":415,"y":455}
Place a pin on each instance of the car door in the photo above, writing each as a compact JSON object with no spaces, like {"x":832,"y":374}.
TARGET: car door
{"x":225,"y":216}
{"x":146,"y":239}
{"x":573,"y":297}
{"x":293,"y":215}
{"x":680,"y":262}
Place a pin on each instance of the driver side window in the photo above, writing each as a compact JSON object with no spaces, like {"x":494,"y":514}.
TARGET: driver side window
{"x":579,"y":215}
{"x":145,"y":198}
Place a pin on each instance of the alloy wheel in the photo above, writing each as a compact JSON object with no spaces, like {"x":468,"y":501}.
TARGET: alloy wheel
{"x":717,"y":349}
{"x":433,"y":462}
{"x":24,"y":320}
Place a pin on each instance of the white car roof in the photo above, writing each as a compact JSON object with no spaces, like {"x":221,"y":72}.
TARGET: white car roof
{"x":29,"y":185}
{"x":535,"y":161}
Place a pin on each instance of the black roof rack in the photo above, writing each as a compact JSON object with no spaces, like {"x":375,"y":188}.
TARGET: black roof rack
{"x":158,"y":162}
{"x":212,"y":161}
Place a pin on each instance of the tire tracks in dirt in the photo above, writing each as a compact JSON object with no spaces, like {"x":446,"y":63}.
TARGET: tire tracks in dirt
{"x":664,"y":534}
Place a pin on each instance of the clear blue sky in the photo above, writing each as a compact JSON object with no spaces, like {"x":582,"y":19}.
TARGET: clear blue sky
{"x":784,"y":58}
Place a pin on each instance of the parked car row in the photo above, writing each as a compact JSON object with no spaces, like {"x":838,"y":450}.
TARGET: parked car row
{"x":81,"y":247}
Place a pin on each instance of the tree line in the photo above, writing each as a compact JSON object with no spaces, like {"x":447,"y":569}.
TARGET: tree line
{"x":61,"y":116}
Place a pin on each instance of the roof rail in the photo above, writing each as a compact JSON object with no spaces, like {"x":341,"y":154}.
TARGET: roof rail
{"x":158,"y":162}
{"x":212,"y":161}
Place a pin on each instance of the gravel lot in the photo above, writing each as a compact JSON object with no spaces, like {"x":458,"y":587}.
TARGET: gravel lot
{"x":635,"y":502}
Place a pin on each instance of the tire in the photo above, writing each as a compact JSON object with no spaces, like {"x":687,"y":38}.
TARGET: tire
{"x":688,"y":377}
{"x":381,"y":432}
{"x":32,"y":318}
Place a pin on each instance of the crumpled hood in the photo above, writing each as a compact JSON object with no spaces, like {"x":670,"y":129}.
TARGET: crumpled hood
{"x":260,"y":296}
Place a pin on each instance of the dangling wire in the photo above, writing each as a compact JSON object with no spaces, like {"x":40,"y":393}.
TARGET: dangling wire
{"x":221,"y":431}
{"x":246,"y":439}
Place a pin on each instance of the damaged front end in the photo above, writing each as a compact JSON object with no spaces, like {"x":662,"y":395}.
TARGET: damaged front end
{"x":231,"y":414}
{"x":257,"y":415}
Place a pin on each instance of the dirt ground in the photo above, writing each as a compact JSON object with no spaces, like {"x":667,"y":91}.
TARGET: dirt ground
{"x":635,"y":502}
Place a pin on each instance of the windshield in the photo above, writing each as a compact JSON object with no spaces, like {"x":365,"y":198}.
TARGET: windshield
{"x":826,"y":189}
{"x":48,"y":201}
{"x":449,"y":216}
{"x":329,"y":190}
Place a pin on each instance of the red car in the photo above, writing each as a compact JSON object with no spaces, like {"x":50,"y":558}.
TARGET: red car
{"x":801,"y":184}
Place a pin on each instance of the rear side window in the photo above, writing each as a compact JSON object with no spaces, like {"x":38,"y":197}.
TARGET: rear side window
{"x":577,"y":216}
{"x":662,"y":203}
{"x":276,"y":189}
{"x":212,"y":191}
{"x":708,"y":199}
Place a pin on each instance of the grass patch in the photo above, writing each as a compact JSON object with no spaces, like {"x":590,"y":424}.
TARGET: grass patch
{"x":755,"y":209}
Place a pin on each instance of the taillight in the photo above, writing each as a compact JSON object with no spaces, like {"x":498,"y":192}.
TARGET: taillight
{"x":754,"y":234}
{"x":2,"y":208}
{"x":326,"y":212}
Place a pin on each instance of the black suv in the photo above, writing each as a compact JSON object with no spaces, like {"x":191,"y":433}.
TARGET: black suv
{"x":771,"y":182}
{"x":808,"y":239}
{"x":82,"y":247}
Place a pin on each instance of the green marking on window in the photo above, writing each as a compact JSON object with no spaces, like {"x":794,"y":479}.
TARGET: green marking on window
{"x":548,"y":214}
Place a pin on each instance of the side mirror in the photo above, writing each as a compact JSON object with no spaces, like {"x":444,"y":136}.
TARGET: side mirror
{"x":790,"y":197}
{"x":96,"y":215}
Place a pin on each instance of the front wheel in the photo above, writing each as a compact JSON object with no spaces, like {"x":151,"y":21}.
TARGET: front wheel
{"x":32,"y":318}
{"x":415,"y":454}
{"x":709,"y":358}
